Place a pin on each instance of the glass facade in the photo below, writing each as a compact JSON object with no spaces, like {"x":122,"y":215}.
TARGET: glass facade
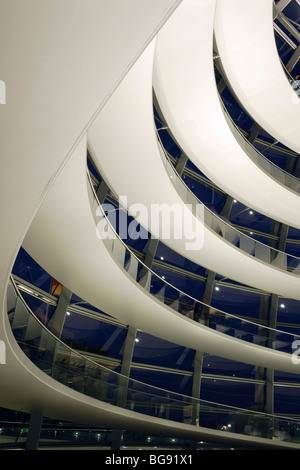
{"x":160,"y":364}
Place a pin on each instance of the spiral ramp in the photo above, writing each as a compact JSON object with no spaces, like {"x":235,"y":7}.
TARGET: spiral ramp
{"x":53,"y":206}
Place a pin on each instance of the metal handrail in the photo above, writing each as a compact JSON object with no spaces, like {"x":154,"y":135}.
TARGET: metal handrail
{"x":230,"y":228}
{"x":263,"y":157}
{"x":179,"y":291}
{"x":168,"y":394}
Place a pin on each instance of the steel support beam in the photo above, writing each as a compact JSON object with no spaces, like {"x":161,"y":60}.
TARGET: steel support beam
{"x":102,"y":191}
{"x":283,"y":237}
{"x":117,"y":434}
{"x":262,"y":339}
{"x":288,"y":25}
{"x":278,"y":7}
{"x":254,"y":131}
{"x":264,"y":400}
{"x":226,"y":210}
{"x":207,"y":295}
{"x":34,"y":432}
{"x":296,"y":171}
{"x":59,"y":316}
{"x":221,"y":85}
{"x":269,"y":408}
{"x":180,"y":165}
{"x":269,"y":404}
{"x":196,"y":387}
{"x":294,"y":59}
{"x":148,"y":260}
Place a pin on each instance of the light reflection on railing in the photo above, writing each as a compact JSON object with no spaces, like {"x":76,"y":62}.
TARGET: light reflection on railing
{"x":281,"y":176}
{"x":179,"y":301}
{"x":84,"y":375}
{"x":242,"y":241}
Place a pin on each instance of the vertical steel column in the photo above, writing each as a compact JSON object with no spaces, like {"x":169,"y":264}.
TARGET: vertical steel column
{"x":34,"y":432}
{"x":207,"y":295}
{"x":60,"y":313}
{"x":117,"y":434}
{"x":296,"y":171}
{"x":149,"y":258}
{"x":262,"y":339}
{"x":151,"y":252}
{"x":102,"y":192}
{"x":278,"y":7}
{"x":254,"y":131}
{"x":271,"y":339}
{"x":196,"y":387}
{"x":283,"y":237}
{"x":226,"y":209}
{"x":221,"y":85}
{"x":180,"y":165}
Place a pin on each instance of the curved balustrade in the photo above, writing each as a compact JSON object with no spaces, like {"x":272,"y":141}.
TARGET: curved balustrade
{"x":295,"y":83}
{"x":84,"y":375}
{"x":176,"y":299}
{"x":247,"y":244}
{"x":280,"y":175}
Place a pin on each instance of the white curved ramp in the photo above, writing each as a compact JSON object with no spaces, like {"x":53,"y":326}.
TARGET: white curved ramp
{"x":85,"y":266}
{"x":246,"y":44}
{"x":65,"y":219}
{"x":123,"y":144}
{"x":58,"y":71}
{"x":185,"y":86}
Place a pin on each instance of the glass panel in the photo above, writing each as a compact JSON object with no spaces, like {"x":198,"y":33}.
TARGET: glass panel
{"x":20,"y":320}
{"x":83,"y":375}
{"x":47,"y":349}
{"x":155,"y":351}
{"x":11,"y":299}
{"x":219,"y":320}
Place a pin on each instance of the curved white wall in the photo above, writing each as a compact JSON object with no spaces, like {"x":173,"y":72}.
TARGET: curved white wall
{"x":84,"y":265}
{"x":123,"y":144}
{"x":253,"y":67}
{"x":60,"y":62}
{"x":184,"y":83}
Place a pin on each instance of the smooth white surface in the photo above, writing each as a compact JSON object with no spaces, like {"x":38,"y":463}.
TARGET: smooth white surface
{"x":60,"y":63}
{"x":123,"y":144}
{"x":43,"y":142}
{"x":85,"y":266}
{"x":184,"y":83}
{"x":105,"y":284}
{"x":253,"y":67}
